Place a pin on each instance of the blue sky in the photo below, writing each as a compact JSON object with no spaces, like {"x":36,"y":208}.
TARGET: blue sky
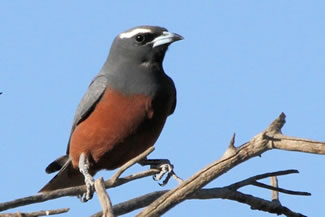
{"x":241,"y":64}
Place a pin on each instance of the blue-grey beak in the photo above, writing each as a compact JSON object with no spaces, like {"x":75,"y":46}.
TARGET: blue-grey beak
{"x":166,"y":38}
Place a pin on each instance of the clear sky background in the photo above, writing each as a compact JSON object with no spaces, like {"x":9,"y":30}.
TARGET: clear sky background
{"x":241,"y":64}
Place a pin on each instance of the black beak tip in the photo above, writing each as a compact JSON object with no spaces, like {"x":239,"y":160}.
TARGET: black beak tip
{"x":178,"y":37}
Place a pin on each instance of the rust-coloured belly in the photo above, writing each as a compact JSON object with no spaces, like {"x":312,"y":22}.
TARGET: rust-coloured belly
{"x":118,"y":129}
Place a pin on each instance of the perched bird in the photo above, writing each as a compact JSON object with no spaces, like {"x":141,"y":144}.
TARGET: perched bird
{"x":123,"y":111}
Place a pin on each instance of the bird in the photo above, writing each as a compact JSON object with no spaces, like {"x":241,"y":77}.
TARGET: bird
{"x":123,"y":111}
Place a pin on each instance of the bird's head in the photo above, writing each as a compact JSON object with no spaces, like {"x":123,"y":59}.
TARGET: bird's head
{"x":142,"y":44}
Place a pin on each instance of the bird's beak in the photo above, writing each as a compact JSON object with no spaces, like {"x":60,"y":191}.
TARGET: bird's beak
{"x":166,"y":38}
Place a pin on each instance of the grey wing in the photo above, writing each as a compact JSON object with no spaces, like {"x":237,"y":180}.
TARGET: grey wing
{"x":88,"y":102}
{"x":172,"y":91}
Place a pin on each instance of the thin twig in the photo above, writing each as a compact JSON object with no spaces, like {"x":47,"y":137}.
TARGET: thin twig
{"x":35,"y":214}
{"x":262,"y":185}
{"x":131,"y":163}
{"x":252,"y":179}
{"x":231,"y":150}
{"x":275,"y":184}
{"x":132,"y":177}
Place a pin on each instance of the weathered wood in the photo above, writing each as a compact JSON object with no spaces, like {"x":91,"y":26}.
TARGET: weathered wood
{"x":103,"y":198}
{"x":79,"y":190}
{"x":262,"y":142}
{"x":269,"y":139}
{"x":36,"y":214}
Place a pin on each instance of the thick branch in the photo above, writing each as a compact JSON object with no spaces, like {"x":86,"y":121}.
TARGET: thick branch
{"x":256,"y":146}
{"x":289,"y":143}
{"x":262,"y":142}
{"x":212,"y":193}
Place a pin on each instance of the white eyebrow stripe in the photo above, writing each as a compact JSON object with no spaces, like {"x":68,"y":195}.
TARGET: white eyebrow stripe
{"x":134,"y":32}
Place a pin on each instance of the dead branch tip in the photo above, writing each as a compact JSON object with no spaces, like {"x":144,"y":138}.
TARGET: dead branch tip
{"x":277,"y":124}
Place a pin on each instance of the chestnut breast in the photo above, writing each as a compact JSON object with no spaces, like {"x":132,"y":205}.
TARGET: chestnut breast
{"x":119,"y":128}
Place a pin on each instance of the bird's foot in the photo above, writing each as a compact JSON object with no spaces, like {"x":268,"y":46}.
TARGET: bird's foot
{"x":169,"y":170}
{"x":90,"y":186}
{"x":89,"y":180}
{"x":165,"y":167}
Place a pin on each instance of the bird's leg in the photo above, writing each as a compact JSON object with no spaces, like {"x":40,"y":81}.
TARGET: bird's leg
{"x":164,"y":166}
{"x":89,"y":180}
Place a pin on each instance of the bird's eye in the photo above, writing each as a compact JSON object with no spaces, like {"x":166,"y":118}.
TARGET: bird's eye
{"x":140,"y":38}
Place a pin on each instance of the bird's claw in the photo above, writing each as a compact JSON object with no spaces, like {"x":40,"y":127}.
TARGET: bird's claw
{"x":165,"y":167}
{"x":168,"y":169}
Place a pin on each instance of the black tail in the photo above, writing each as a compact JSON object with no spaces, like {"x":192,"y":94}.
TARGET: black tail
{"x":67,"y":177}
{"x":57,"y":164}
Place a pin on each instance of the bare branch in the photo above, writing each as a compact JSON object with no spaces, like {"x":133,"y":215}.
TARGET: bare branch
{"x":256,"y":146}
{"x":262,"y":185}
{"x":73,"y":191}
{"x":132,"y":177}
{"x":35,"y":214}
{"x":257,"y":203}
{"x":275,"y":183}
{"x":212,"y":193}
{"x":276,"y":125}
{"x":231,"y":150}
{"x":252,"y":179}
{"x":103,"y":197}
{"x":298,"y":144}
{"x":133,"y":204}
{"x":262,"y":142}
{"x":271,"y":138}
{"x":129,"y":164}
